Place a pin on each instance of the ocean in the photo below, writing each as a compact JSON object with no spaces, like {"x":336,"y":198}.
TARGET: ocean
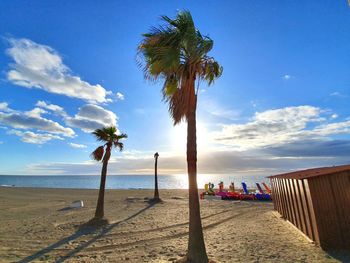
{"x":124,"y":181}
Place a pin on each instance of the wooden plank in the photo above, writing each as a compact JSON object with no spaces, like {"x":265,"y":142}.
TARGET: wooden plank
{"x":287,"y":200}
{"x":325,"y":211}
{"x":295,"y":204}
{"x":314,"y":186}
{"x":311,"y":211}
{"x":291,"y":205}
{"x":341,"y":187}
{"x":279,"y":197}
{"x":284,"y":199}
{"x":308,"y":225}
{"x":290,"y":201}
{"x":331,"y":212}
{"x":338,"y":184}
{"x":300,"y":206}
{"x":274,"y":195}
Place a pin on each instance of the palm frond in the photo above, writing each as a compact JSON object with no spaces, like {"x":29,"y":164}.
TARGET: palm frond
{"x":210,"y":70}
{"x":119,"y":145}
{"x":105,"y":134}
{"x":176,"y":52}
{"x":97,"y":155}
{"x":122,"y":136}
{"x":111,"y":138}
{"x":170,"y":86}
{"x":117,"y":142}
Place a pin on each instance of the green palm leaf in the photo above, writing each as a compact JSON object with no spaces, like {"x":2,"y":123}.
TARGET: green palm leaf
{"x":177,"y":53}
{"x":109,"y":136}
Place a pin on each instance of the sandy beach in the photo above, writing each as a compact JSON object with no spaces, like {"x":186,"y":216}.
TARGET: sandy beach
{"x":37,"y":226}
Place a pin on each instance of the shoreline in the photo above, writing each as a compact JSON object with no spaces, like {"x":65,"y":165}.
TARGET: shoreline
{"x":130,"y":182}
{"x":118,"y":189}
{"x":36,"y":225}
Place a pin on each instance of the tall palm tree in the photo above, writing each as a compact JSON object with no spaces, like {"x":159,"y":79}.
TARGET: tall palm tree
{"x":156,"y":192}
{"x":111,"y":139}
{"x":176,"y":52}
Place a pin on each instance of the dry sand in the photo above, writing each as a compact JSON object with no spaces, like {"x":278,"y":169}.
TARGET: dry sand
{"x":36,"y":227}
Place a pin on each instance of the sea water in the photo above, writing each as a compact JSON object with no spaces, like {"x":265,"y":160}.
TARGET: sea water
{"x":124,"y":181}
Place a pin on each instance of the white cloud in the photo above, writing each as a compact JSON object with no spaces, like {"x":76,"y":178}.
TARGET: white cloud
{"x":217,"y":110}
{"x":91,"y":117}
{"x":254,"y":103}
{"x":35,"y":113}
{"x":34,"y":138}
{"x":286,"y":77}
{"x":76,"y":145}
{"x":54,"y":108}
{"x":225,"y":162}
{"x":40,"y":66}
{"x":1,"y":142}
{"x":33,"y":120}
{"x":338,"y":94}
{"x":4,"y":106}
{"x":120,"y":96}
{"x":334,"y":116}
{"x":280,"y":126}
{"x":331,"y":129}
{"x":294,"y":115}
{"x":88,"y":118}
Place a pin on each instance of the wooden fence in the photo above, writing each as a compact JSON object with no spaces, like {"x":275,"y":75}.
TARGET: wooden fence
{"x":319,"y":206}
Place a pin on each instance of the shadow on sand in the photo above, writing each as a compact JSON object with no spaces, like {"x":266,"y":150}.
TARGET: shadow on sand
{"x":83,"y":230}
{"x":341,"y":255}
{"x":68,"y":208}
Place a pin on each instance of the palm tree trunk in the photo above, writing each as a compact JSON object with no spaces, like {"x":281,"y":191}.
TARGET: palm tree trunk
{"x":156,"y":192}
{"x":196,"y":247}
{"x":99,"y":213}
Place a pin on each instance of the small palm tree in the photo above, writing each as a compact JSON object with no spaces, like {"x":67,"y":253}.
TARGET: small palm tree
{"x":111,"y":139}
{"x":177,"y":53}
{"x":156,"y":192}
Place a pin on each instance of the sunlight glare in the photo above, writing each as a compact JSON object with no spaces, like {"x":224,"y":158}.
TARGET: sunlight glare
{"x":179,"y":138}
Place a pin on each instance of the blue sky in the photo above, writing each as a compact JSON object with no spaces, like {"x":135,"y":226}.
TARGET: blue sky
{"x":69,"y":67}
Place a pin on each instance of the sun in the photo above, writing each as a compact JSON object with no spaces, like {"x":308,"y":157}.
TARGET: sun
{"x":179,"y":137}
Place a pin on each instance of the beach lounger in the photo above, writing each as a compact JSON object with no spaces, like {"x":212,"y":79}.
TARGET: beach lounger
{"x":262,"y":195}
{"x":246,"y":195}
{"x":266,"y":188}
{"x":261,"y":191}
{"x":233,"y":196}
{"x":221,"y":191}
{"x":208,"y":190}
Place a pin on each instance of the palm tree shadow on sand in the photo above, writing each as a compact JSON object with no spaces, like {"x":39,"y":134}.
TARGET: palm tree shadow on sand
{"x":84,"y":229}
